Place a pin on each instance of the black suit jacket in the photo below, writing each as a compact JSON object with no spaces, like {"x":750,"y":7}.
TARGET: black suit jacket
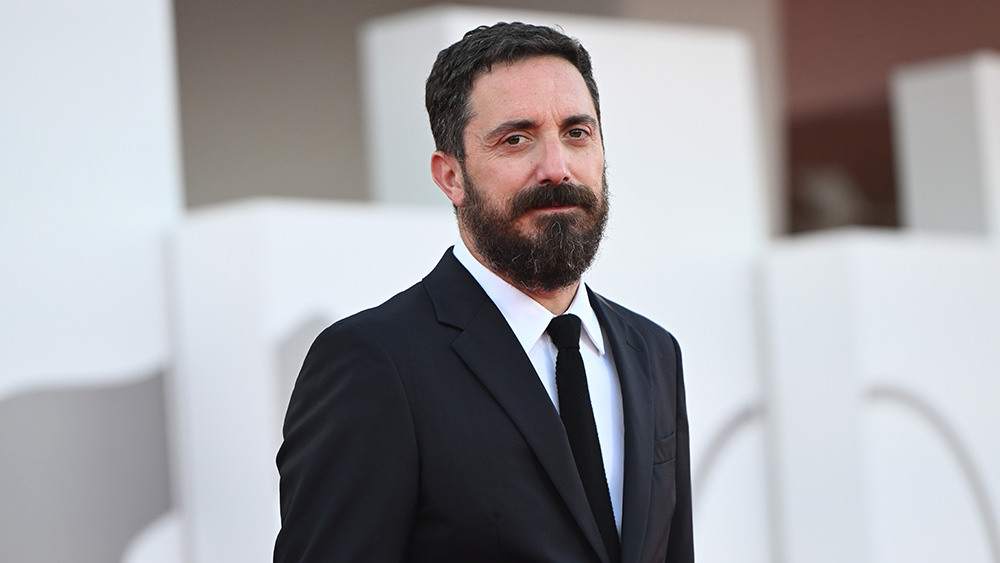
{"x":419,"y":431}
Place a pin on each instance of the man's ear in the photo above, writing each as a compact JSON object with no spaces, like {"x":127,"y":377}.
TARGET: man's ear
{"x":447,"y":174}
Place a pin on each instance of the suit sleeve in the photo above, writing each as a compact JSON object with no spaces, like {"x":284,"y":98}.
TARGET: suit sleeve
{"x":348,"y":463}
{"x":680,"y":548}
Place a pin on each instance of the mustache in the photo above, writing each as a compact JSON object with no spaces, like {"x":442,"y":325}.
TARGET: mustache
{"x":554,"y":195}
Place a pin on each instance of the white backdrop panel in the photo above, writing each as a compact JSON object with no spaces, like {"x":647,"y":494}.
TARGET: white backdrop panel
{"x":946,"y":118}
{"x":883,"y":348}
{"x":89,"y":187}
{"x":927,"y":328}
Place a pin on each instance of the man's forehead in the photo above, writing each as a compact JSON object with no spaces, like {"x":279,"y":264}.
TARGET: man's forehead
{"x":525,"y":83}
{"x":506,"y":67}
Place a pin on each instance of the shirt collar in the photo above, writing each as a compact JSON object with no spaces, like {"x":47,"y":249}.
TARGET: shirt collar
{"x":527,"y":318}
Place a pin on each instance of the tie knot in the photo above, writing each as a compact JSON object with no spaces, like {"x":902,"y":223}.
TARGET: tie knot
{"x":565,"y":331}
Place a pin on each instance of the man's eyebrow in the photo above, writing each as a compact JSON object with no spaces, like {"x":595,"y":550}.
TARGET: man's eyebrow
{"x":581,"y":118}
{"x":515,"y":124}
{"x":510,"y":125}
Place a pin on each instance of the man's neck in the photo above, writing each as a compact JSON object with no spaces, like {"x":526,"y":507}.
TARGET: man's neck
{"x":556,"y":301}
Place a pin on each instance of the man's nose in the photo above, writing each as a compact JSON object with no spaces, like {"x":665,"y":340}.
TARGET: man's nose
{"x":553,"y":167}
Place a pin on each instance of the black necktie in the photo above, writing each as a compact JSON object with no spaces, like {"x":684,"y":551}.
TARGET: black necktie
{"x":578,"y":417}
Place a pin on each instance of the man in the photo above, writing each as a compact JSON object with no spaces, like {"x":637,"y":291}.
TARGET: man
{"x":440,"y":426}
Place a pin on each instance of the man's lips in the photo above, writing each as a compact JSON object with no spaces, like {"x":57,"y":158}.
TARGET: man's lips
{"x":537,"y":212}
{"x":556,"y":207}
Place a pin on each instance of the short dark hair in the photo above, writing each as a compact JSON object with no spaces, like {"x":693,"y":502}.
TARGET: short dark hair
{"x":450,"y":83}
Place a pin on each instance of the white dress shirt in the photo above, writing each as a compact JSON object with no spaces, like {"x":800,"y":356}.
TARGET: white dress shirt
{"x":528,"y":320}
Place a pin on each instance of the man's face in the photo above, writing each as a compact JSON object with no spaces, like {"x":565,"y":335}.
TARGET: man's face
{"x":534,"y":199}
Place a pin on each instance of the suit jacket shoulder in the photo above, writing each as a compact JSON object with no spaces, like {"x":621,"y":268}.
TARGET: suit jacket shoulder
{"x":645,"y":326}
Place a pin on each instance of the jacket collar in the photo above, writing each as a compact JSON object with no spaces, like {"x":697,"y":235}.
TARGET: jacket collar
{"x":629,"y":351}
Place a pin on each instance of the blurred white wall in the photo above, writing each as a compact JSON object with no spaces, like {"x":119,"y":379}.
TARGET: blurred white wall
{"x":883,"y":358}
{"x":947,"y":128}
{"x":89,"y":190}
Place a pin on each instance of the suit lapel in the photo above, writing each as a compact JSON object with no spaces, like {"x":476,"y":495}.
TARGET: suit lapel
{"x":632,"y":365}
{"x":490,"y":349}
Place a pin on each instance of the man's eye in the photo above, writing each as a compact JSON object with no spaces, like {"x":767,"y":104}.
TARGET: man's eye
{"x":577,"y":133}
{"x":514,"y":140}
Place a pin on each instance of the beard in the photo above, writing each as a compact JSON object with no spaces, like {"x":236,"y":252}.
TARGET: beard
{"x":562,"y":246}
